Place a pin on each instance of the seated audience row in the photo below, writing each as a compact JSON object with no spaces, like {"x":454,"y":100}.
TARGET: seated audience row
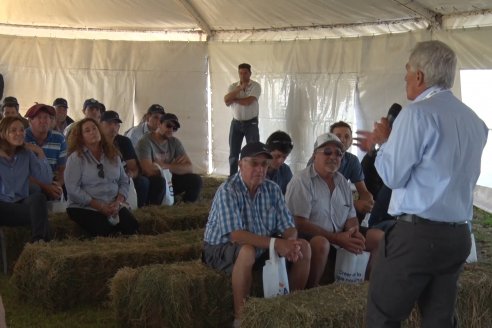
{"x":316,"y":217}
{"x":158,"y":149}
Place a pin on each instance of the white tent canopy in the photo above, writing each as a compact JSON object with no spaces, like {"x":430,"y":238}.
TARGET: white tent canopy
{"x":233,"y":20}
{"x":317,"y":60}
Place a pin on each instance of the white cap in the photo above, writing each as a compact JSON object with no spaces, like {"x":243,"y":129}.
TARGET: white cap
{"x":328,"y":138}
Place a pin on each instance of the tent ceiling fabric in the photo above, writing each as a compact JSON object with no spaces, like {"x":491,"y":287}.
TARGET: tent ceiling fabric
{"x":219,"y":19}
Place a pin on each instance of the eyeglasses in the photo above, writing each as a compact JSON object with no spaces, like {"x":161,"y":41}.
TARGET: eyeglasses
{"x":255,"y":162}
{"x":100,"y":173}
{"x":329,"y":152}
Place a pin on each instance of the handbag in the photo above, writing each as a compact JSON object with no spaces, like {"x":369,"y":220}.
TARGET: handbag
{"x":168,"y":198}
{"x":57,"y":206}
{"x":275,"y":280}
{"x":350,"y":267}
{"x":472,"y":257}
{"x":131,"y":200}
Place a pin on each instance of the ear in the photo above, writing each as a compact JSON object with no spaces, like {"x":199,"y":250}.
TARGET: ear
{"x":420,"y":78}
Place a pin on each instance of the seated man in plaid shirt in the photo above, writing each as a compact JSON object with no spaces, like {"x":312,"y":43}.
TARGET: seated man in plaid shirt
{"x":247,"y":210}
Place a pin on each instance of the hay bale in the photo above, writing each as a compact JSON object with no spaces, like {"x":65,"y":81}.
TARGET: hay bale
{"x":183,"y":216}
{"x":61,"y":274}
{"x":343,"y":305}
{"x":187,"y":294}
{"x":152,"y":220}
{"x":210,"y":185}
{"x":337,"y":305}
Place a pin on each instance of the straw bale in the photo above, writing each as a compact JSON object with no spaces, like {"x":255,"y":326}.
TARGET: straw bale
{"x":183,"y":216}
{"x":210,"y":185}
{"x":152,"y":220}
{"x":336,"y":305}
{"x":343,"y":305}
{"x":187,"y":294}
{"x":61,"y":274}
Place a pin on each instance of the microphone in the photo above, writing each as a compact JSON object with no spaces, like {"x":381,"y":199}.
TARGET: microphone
{"x":393,"y":112}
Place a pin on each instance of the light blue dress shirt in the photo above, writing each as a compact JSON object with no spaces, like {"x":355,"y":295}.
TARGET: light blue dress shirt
{"x":83,"y":181}
{"x":432,"y":158}
{"x":15,"y":172}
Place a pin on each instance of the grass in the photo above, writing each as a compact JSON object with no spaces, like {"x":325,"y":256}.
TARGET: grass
{"x":22,"y":315}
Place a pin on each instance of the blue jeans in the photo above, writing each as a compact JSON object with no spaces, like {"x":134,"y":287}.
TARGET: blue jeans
{"x":239,"y":130}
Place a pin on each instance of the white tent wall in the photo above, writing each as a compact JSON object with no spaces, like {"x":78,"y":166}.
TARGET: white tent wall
{"x":321,"y":82}
{"x":374,"y":64}
{"x":307,"y":85}
{"x":126,"y":76}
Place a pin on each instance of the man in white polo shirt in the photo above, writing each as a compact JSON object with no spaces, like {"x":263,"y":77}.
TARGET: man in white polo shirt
{"x":242,"y":97}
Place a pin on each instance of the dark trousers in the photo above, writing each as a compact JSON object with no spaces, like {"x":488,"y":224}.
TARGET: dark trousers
{"x":239,"y":130}
{"x":29,"y":211}
{"x":189,"y":184}
{"x":417,"y":263}
{"x":156,"y":190}
{"x":142,"y":185}
{"x":97,"y":224}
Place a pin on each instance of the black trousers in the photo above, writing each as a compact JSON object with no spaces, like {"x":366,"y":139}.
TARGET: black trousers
{"x":417,"y":263}
{"x":189,"y":184}
{"x":156,"y":190}
{"x":29,"y":211}
{"x":97,"y":224}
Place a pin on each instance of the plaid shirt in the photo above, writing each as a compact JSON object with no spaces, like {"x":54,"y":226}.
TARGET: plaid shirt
{"x":234,"y":209}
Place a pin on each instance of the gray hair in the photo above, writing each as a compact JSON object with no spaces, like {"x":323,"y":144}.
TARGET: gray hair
{"x":436,"y":60}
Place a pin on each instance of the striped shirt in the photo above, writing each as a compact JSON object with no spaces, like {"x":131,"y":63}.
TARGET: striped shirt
{"x":308,"y":196}
{"x":54,"y":147}
{"x":234,"y":209}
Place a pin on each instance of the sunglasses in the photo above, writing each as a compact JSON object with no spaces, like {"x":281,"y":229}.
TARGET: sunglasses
{"x":283,"y":142}
{"x":255,"y":163}
{"x":100,"y":173}
{"x":329,"y":152}
{"x":172,"y":126}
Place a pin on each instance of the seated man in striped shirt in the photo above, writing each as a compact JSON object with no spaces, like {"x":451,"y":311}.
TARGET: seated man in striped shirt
{"x":52,"y":142}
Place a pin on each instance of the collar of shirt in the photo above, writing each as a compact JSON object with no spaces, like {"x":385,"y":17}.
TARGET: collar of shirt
{"x":429,"y":92}
{"x":244,"y":188}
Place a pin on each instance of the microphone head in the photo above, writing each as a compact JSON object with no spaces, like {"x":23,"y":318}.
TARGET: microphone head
{"x":393,"y":112}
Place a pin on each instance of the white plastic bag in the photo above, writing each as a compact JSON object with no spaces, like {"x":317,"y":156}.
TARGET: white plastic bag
{"x":168,"y":198}
{"x":131,"y":200}
{"x":350,"y":267}
{"x":472,"y":258}
{"x":57,"y":206}
{"x":275,"y":280}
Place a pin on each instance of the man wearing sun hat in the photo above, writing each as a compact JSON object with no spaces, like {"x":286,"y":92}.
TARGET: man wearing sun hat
{"x":246,"y":212}
{"x":52,"y":142}
{"x":320,"y":199}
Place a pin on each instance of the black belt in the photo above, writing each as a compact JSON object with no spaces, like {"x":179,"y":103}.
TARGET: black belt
{"x":254,"y":119}
{"x":415,"y":219}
